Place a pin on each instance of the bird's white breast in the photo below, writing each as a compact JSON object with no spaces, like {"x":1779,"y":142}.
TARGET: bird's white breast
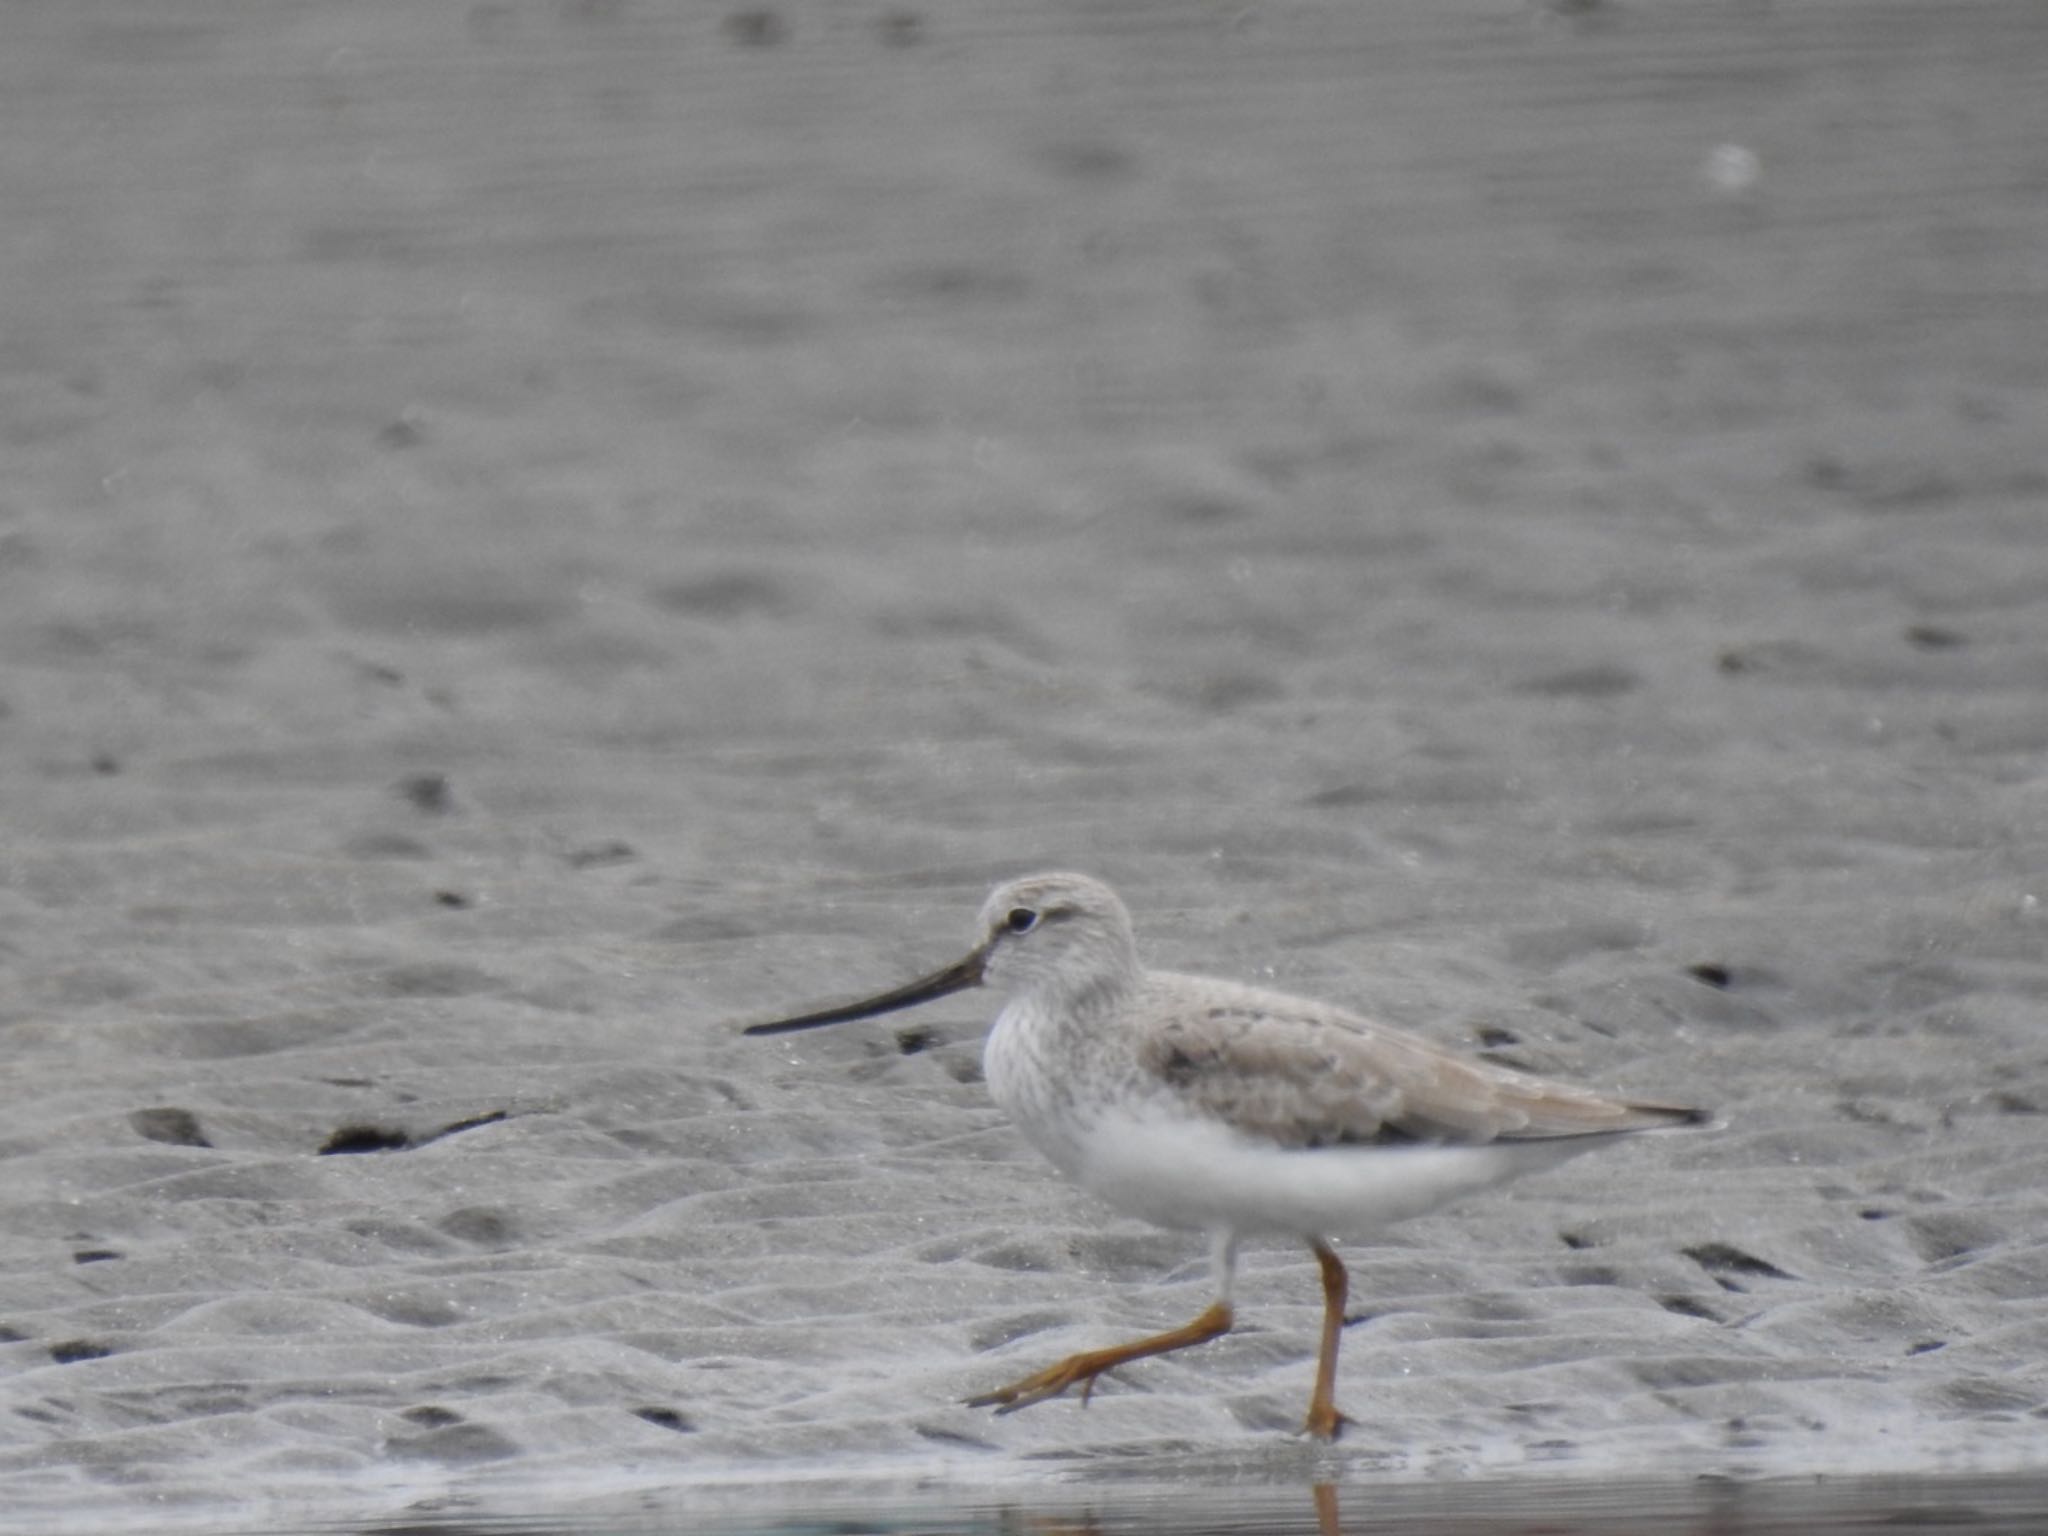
{"x":1041,"y":1072}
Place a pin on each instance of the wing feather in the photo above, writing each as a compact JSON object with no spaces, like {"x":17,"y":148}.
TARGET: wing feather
{"x":1304,"y":1075}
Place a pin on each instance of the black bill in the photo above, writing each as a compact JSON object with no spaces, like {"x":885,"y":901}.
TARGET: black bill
{"x":957,"y":977}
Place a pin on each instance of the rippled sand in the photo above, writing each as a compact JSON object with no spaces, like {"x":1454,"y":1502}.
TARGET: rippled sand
{"x":534,"y":532}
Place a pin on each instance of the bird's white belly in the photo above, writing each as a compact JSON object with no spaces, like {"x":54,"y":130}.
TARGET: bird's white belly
{"x":1125,"y":1140}
{"x":1178,"y":1171}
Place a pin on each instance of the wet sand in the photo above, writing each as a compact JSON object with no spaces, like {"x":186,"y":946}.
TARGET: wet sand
{"x":534,"y":532}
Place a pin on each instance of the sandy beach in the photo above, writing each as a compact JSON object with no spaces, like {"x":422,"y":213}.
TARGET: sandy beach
{"x":538,"y":531}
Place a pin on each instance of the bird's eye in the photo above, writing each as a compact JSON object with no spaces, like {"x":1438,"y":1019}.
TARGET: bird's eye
{"x":1021,"y":920}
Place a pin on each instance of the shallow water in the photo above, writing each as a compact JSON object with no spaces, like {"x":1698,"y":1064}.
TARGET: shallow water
{"x":1899,"y":1506}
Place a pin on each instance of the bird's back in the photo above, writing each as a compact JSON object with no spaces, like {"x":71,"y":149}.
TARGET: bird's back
{"x":1303,"y":1074}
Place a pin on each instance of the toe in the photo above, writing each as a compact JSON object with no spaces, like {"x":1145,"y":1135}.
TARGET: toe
{"x":1324,"y":1422}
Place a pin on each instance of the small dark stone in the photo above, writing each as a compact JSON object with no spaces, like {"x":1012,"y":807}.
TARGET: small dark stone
{"x":911,"y":1042}
{"x":429,"y":792}
{"x":175,"y":1127}
{"x":431,"y":1416}
{"x":1713,"y":973}
{"x":1725,"y":1260}
{"x":1933,"y":637}
{"x":71,"y":1351}
{"x":94,"y":1255}
{"x":1686,"y":1306}
{"x":1492,"y":1037}
{"x":453,"y":899}
{"x":364,"y":1138}
{"x":666,"y":1418}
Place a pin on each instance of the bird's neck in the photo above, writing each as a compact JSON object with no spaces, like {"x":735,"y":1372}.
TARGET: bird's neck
{"x":1077,"y":1001}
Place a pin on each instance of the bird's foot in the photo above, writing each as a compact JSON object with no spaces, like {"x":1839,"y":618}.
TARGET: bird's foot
{"x":1324,"y":1421}
{"x":1076,"y":1370}
{"x":1082,"y":1369}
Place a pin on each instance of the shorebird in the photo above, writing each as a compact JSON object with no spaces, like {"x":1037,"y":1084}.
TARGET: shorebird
{"x":1205,"y":1105}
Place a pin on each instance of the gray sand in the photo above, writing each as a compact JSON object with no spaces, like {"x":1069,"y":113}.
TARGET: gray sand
{"x":536,"y":531}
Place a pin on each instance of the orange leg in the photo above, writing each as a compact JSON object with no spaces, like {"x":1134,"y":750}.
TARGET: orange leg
{"x":1086,"y":1366}
{"x":1328,"y":1515}
{"x":1324,"y":1421}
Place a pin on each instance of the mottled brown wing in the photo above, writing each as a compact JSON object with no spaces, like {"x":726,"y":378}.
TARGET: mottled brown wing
{"x":1303,"y":1075}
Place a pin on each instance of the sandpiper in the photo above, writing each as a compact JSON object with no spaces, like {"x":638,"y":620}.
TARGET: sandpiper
{"x":1208,"y":1106}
